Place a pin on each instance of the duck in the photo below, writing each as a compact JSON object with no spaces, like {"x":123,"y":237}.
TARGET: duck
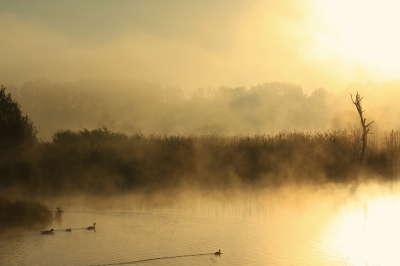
{"x":69,"y":230}
{"x":47,"y":232}
{"x":218,"y":253}
{"x":92,"y":227}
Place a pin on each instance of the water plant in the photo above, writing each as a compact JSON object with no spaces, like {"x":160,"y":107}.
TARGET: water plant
{"x":23,"y":214}
{"x":106,"y":163}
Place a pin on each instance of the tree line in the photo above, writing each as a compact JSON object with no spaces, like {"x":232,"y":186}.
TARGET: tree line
{"x":111,"y":162}
{"x":144,"y":107}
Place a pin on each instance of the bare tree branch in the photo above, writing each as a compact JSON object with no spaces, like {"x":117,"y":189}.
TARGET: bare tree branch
{"x":365,"y":127}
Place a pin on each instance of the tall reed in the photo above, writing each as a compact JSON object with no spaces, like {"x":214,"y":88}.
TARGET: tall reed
{"x":105,"y":162}
{"x":23,"y":214}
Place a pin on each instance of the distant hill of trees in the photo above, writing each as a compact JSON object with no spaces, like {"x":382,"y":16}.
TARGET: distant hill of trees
{"x":143,"y":107}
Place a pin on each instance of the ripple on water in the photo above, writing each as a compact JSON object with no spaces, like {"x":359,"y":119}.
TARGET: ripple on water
{"x":253,"y":234}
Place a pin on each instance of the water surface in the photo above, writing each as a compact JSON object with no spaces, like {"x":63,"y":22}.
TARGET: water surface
{"x":284,"y":230}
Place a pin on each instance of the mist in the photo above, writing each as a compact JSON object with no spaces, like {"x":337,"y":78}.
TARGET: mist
{"x":158,"y":70}
{"x":189,"y":45}
{"x":138,"y":106}
{"x":200,"y":126}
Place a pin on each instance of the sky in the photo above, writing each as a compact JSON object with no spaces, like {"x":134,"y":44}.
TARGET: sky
{"x":201,"y":43}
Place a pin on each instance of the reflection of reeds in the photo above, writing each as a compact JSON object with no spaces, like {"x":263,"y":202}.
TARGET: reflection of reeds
{"x":23,"y":214}
{"x":58,"y":213}
{"x":101,"y":161}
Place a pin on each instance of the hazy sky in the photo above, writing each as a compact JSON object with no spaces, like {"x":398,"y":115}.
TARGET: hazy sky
{"x":201,"y":43}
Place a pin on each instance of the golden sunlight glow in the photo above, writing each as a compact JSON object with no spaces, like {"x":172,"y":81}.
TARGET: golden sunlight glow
{"x":362,"y":31}
{"x":368,"y":234}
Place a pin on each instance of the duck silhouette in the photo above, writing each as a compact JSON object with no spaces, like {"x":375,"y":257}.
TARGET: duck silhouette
{"x":47,"y":232}
{"x":69,"y":230}
{"x":92,"y":227}
{"x":218,"y":253}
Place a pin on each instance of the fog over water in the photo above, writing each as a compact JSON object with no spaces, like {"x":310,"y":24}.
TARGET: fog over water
{"x":203,"y":125}
{"x":320,"y":226}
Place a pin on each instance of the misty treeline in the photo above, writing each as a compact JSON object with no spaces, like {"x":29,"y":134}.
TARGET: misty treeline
{"x":120,"y":156}
{"x":144,"y":107}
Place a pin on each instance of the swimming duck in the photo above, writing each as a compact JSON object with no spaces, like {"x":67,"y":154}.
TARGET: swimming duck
{"x":47,"y":232}
{"x":69,"y":230}
{"x":218,"y":253}
{"x":92,"y":227}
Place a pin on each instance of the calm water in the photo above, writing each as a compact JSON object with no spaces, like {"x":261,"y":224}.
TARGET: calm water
{"x":320,"y":229}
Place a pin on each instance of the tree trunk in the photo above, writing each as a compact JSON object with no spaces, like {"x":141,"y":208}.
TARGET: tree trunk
{"x":365,"y":127}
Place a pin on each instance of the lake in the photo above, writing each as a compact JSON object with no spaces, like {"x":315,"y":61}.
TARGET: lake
{"x":329,"y":226}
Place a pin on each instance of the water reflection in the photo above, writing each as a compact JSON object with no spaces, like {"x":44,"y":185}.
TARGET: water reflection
{"x":57,"y":215}
{"x":368,"y":232}
{"x":153,"y":259}
{"x":286,"y":228}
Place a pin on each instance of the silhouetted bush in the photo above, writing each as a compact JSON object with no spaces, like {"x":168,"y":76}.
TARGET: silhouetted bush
{"x":15,"y":129}
{"x":23,"y":214}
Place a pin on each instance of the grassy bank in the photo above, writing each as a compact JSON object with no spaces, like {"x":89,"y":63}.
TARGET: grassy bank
{"x":23,"y":214}
{"x":104,"y":162}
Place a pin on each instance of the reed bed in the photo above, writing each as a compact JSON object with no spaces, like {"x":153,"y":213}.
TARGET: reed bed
{"x":23,"y":214}
{"x":107,"y":163}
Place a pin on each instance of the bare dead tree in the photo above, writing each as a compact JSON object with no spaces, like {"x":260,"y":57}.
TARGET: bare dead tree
{"x":365,"y":127}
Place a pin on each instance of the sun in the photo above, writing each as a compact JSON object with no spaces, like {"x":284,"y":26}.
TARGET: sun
{"x":362,"y":31}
